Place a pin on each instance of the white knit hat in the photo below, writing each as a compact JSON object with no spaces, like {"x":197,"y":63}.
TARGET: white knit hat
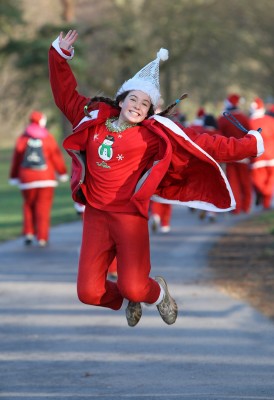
{"x":147,"y":79}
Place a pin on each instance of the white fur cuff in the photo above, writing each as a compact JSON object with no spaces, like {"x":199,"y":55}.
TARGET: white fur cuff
{"x":260,"y":142}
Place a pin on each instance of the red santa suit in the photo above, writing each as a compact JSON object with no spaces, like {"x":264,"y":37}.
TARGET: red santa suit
{"x":116,"y":178}
{"x":238,"y":172}
{"x":35,"y":174}
{"x":262,"y":167}
{"x":198,"y":123}
{"x":160,"y":216}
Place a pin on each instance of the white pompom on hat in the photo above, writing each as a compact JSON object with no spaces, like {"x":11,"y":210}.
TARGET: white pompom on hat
{"x":147,"y":79}
{"x":257,"y":104}
{"x":257,"y":108}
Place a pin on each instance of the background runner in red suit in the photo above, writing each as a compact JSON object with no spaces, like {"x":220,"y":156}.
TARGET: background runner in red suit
{"x":160,"y":217}
{"x":160,"y":213}
{"x":262,"y":168}
{"x":210,"y":126}
{"x":238,"y":172}
{"x":36,"y":164}
{"x":198,"y":122}
{"x":122,"y":156}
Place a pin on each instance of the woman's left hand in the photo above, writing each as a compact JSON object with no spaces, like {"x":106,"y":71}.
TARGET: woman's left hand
{"x":67,"y":42}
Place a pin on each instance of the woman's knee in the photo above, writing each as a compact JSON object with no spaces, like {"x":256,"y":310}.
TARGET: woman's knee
{"x":133,"y":291}
{"x":89,"y":295}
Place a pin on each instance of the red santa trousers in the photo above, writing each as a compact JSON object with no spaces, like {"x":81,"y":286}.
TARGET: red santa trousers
{"x":110,"y":234}
{"x":36,"y":211}
{"x":163,"y":210}
{"x":239,"y":177}
{"x":263,"y":181}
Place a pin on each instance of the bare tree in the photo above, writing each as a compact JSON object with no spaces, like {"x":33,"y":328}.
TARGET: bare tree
{"x":68,"y":10}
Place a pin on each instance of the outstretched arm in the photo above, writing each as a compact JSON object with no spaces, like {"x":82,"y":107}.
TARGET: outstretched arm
{"x":63,"y":82}
{"x":224,"y":149}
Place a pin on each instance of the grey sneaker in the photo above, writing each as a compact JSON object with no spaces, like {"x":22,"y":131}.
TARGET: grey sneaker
{"x":167,"y":308}
{"x":133,"y":313}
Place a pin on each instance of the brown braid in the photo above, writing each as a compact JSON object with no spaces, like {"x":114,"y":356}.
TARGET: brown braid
{"x":112,"y":103}
{"x":168,"y":109}
{"x":115,"y":104}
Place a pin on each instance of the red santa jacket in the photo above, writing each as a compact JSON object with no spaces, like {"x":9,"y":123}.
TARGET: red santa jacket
{"x":186,"y":172}
{"x":229,"y":129}
{"x":266,"y":122}
{"x":27,"y":177}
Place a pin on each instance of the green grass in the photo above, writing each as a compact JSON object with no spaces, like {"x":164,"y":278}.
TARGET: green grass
{"x":11,"y":202}
{"x":268,"y":219}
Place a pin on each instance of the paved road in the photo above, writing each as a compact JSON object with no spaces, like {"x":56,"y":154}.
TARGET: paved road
{"x":54,"y":347}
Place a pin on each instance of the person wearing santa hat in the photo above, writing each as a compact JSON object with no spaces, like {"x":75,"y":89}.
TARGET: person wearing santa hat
{"x":147,"y":157}
{"x":238,"y":172}
{"x":262,"y":167}
{"x":37,"y":159}
{"x":198,"y":122}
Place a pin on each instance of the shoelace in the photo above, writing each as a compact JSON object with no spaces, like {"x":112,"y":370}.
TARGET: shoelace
{"x":236,"y":123}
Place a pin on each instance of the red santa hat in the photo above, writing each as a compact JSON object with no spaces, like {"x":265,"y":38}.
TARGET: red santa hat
{"x":232,"y":100}
{"x":257,"y":108}
{"x":37,"y":117}
{"x":257,"y":104}
{"x":201,"y":112}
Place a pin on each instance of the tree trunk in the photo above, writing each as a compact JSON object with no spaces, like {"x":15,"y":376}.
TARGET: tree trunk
{"x":68,"y":10}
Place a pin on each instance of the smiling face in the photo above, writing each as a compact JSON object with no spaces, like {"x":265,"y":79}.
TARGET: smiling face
{"x":134,"y":108}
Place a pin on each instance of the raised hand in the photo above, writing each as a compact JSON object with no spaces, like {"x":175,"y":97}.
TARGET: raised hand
{"x":67,"y":41}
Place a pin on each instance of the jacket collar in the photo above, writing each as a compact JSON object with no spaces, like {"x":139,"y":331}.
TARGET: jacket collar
{"x":99,"y":113}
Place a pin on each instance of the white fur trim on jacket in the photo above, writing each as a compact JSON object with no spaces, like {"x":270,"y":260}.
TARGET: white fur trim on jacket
{"x":260,"y":142}
{"x":201,"y":205}
{"x":93,"y":115}
{"x":37,"y":184}
{"x":262,"y":164}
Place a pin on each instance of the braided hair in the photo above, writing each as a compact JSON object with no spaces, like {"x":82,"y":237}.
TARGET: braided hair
{"x":168,"y":110}
{"x":115,"y":103}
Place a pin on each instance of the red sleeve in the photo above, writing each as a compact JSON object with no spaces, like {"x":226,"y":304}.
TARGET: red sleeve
{"x":17,"y":158}
{"x":57,"y":157}
{"x":63,"y":86}
{"x":228,"y":129}
{"x":224,"y":149}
